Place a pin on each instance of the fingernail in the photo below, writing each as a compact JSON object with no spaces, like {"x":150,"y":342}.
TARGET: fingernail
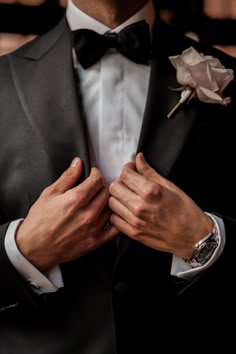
{"x":75,"y":162}
{"x":141,"y":156}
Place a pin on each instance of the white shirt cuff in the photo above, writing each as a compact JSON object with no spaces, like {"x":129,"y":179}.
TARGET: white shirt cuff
{"x":182,"y":269}
{"x":41,"y":283}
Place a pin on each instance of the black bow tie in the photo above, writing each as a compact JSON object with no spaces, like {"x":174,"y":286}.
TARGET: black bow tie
{"x":134,"y":42}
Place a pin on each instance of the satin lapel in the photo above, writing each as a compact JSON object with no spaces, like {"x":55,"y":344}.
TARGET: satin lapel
{"x":162,"y":139}
{"x":49,"y":97}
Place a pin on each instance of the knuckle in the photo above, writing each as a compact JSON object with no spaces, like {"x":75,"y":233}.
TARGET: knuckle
{"x":81,"y":198}
{"x":112,"y":187}
{"x":151,"y":190}
{"x":135,"y":233}
{"x":138,"y":223}
{"x":139,"y":209}
{"x":97,"y":177}
{"x":72,"y":201}
{"x":48,"y":191}
{"x":88,"y":219}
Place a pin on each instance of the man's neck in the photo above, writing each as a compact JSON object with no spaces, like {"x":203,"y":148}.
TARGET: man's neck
{"x":110,"y":12}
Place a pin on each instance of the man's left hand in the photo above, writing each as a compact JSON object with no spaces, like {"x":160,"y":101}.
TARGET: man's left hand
{"x":152,"y":210}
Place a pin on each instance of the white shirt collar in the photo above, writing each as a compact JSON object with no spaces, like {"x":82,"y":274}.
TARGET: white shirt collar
{"x":77,"y":19}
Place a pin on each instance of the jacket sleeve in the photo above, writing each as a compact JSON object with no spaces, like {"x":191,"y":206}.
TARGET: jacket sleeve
{"x":14,"y":291}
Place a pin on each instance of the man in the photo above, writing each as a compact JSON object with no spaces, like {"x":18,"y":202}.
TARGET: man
{"x":137,"y":252}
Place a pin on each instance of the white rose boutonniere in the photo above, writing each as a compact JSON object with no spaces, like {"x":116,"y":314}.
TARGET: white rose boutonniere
{"x":200,"y":76}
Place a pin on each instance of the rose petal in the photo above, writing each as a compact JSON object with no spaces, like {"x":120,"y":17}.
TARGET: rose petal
{"x":183,"y":74}
{"x":191,"y":56}
{"x":176,"y":61}
{"x":185,"y":78}
{"x":214,"y":62}
{"x":208,"y":96}
{"x":202,"y":75}
{"x":222,"y":77}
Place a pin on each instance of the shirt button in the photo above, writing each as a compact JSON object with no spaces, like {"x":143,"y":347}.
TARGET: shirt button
{"x":34,"y":285}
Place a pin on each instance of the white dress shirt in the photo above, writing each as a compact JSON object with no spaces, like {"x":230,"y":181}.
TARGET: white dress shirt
{"x":114,"y":93}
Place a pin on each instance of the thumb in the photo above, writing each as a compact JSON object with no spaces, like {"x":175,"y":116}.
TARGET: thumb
{"x":69,"y":177}
{"x":147,"y":171}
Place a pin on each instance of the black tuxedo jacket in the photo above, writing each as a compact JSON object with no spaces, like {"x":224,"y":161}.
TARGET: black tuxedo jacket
{"x":125,"y":300}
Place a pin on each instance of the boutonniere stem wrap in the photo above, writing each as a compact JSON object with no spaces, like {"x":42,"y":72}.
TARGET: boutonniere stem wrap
{"x":202,"y":77}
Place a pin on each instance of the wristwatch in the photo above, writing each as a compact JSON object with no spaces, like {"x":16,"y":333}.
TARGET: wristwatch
{"x":204,"y":249}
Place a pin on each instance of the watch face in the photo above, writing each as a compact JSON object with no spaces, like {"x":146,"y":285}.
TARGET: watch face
{"x":205,"y":252}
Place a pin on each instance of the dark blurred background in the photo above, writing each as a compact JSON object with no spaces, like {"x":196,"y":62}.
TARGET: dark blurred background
{"x":211,"y":21}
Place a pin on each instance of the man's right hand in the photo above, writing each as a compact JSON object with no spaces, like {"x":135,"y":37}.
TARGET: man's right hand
{"x":66,"y":221}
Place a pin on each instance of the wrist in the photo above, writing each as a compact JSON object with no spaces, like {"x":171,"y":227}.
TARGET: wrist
{"x":201,"y":230}
{"x":27,"y":247}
